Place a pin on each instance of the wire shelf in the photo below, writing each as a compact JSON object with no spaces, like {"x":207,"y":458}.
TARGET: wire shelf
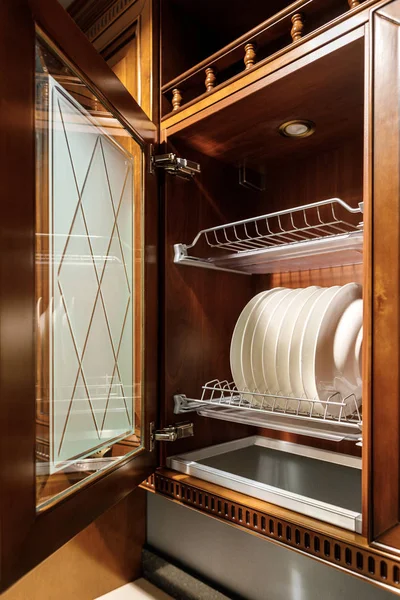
{"x":336,"y":418}
{"x":328,"y":230}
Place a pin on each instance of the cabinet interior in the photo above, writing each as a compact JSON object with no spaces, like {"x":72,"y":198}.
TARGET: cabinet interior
{"x":202,"y":306}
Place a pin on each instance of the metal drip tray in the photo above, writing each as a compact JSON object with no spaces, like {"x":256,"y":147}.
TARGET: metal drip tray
{"x":320,"y":484}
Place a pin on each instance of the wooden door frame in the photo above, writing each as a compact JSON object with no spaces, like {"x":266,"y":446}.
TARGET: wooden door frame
{"x":27,"y":537}
{"x":383,"y":447}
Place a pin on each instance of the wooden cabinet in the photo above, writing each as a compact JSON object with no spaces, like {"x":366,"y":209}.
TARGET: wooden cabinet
{"x":227,"y":180}
{"x":341,"y":76}
{"x":58,"y":404}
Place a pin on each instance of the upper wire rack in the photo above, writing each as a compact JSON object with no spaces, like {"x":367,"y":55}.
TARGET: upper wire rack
{"x":321,"y":221}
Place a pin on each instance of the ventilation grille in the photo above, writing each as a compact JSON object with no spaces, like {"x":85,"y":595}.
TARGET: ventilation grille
{"x":350,"y":557}
{"x":149,"y":483}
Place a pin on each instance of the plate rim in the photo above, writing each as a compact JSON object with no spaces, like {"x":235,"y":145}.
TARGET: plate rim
{"x":314,"y":351}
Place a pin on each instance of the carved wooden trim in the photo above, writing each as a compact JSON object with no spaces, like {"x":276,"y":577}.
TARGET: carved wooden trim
{"x":86,"y":14}
{"x":249,"y":56}
{"x":297,"y":27}
{"x":353,"y":3}
{"x":349,"y":23}
{"x":357,"y":559}
{"x":149,"y":483}
{"x":210,"y":79}
{"x":108,"y":17}
{"x":176,"y":99}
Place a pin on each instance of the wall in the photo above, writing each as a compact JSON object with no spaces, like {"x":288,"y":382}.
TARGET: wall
{"x":244,"y":564}
{"x":104,"y":556}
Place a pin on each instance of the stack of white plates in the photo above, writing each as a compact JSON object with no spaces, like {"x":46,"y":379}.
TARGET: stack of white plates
{"x":297,"y":345}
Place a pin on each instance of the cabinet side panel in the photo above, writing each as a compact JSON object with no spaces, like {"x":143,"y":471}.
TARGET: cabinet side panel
{"x":386,"y":263}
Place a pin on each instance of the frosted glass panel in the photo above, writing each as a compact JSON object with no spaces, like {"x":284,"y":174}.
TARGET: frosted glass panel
{"x":89,"y":283}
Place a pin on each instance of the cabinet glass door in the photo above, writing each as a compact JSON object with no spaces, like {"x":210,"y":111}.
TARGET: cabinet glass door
{"x":78,"y":281}
{"x":89,"y":278}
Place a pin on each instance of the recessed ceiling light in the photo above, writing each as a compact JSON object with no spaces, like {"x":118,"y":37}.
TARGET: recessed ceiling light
{"x":298,"y":128}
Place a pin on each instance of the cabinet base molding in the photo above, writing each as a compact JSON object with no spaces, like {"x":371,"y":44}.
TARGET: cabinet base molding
{"x":344,"y":550}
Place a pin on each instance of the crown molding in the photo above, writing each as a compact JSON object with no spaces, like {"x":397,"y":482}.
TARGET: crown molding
{"x":94,"y":16}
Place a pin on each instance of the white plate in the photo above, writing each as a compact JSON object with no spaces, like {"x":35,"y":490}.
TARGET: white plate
{"x":358,"y":355}
{"x":317,"y":364}
{"x":282,"y":365}
{"x":255,"y":376}
{"x":344,"y":344}
{"x":255,"y":324}
{"x":238,"y":335}
{"x":269,"y":347}
{"x":296,"y":382}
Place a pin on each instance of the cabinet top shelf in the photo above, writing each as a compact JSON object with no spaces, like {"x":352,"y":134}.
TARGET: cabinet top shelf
{"x":325,"y":233}
{"x":228,"y":54}
{"x":296,"y":23}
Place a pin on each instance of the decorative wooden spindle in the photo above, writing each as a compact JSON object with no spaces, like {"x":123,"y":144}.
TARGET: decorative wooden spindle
{"x":210,"y":79}
{"x":250,"y":55}
{"x":297,"y":26}
{"x":176,"y":98}
{"x":353,"y":3}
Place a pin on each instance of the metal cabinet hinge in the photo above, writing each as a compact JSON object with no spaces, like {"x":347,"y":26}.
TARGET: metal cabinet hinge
{"x":181,"y":167}
{"x":171,"y":433}
{"x":182,"y":404}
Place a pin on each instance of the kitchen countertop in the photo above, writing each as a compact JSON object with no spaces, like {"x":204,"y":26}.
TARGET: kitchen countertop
{"x":137,"y":590}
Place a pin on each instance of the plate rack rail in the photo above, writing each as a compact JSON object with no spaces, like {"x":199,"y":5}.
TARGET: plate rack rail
{"x":335,"y":418}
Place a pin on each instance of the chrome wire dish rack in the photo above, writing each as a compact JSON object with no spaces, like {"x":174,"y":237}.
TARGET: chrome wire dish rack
{"x":336,"y":418}
{"x":322,"y":234}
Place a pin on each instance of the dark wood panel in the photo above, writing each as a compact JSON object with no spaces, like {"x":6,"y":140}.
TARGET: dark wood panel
{"x":200,"y":306}
{"x":334,"y":171}
{"x":101,"y":558}
{"x":17,"y":279}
